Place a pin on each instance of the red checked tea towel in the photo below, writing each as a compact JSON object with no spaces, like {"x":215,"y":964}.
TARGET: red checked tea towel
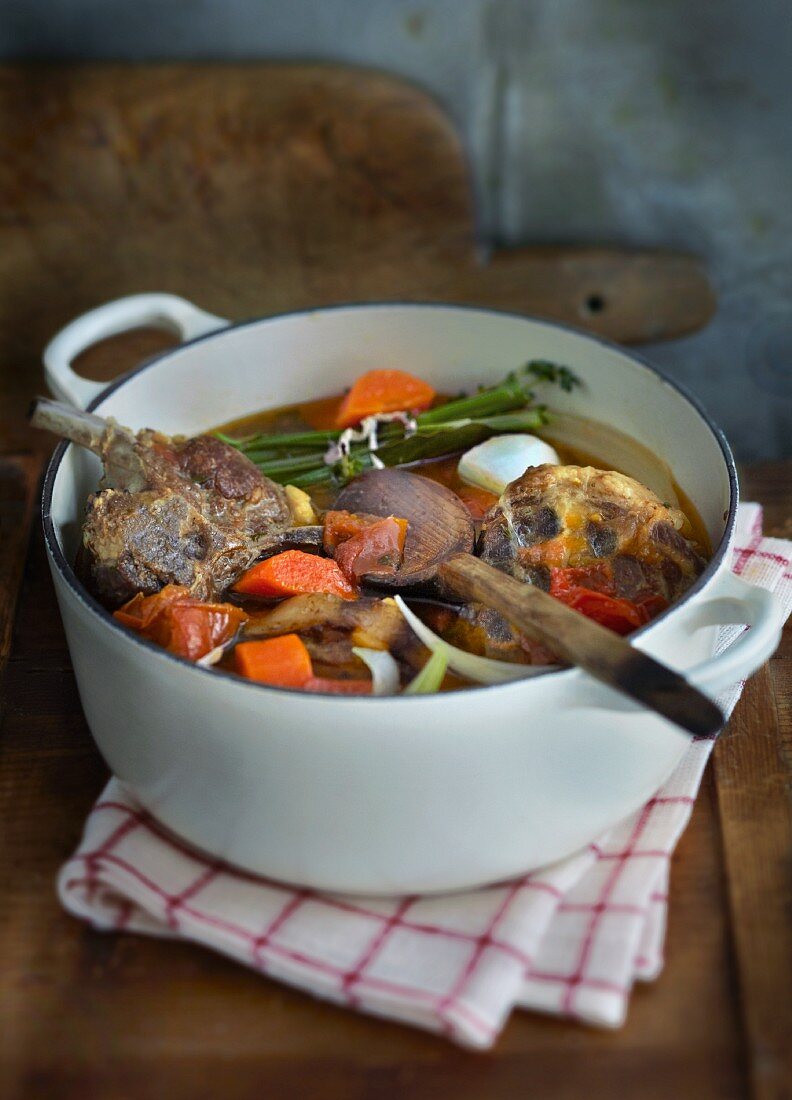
{"x":570,"y":939}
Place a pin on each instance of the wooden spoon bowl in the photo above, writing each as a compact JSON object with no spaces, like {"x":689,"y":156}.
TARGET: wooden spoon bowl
{"x":439,"y":524}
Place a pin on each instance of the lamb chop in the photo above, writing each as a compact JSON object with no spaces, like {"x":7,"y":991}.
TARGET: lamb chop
{"x":578,"y":517}
{"x":169,"y":509}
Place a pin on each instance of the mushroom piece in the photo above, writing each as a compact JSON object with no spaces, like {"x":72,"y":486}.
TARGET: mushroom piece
{"x":331,"y":626}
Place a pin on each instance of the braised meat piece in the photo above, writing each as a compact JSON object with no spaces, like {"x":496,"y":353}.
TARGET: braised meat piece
{"x":601,"y":522}
{"x":169,"y":510}
{"x":578,"y":516}
{"x":483,"y":630}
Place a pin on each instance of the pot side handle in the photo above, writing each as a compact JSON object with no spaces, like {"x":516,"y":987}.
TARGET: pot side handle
{"x":733,"y":601}
{"x":165,"y":311}
{"x":737,"y":602}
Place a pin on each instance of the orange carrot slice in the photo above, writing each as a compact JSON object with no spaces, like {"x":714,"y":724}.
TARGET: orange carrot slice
{"x":293,"y":573}
{"x":281,"y":662}
{"x":384,"y":391}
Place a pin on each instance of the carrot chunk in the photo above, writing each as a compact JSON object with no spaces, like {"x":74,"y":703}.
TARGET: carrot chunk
{"x":294,"y":573}
{"x":384,"y":391}
{"x":281,"y":662}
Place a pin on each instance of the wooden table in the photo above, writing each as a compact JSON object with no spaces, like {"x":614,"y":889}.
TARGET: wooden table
{"x":114,"y":1016}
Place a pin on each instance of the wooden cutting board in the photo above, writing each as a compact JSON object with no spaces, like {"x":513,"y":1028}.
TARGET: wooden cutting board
{"x":253,"y":189}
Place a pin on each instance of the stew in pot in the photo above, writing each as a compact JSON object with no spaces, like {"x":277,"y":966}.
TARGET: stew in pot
{"x":231,"y":548}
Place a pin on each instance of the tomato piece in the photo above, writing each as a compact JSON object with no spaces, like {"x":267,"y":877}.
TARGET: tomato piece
{"x":196,"y":629}
{"x":141,"y":611}
{"x":598,"y":578}
{"x":652,"y":605}
{"x":384,"y":391}
{"x":179,"y":623}
{"x":377,"y":549}
{"x":294,"y":573}
{"x":477,"y":501}
{"x":617,"y":614}
{"x":362,"y":543}
{"x":591,"y":591}
{"x":340,"y":525}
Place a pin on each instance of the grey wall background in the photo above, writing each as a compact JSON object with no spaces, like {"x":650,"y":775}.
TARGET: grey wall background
{"x":647,"y":122}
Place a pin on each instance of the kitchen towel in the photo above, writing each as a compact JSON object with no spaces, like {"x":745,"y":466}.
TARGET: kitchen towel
{"x":570,"y":939}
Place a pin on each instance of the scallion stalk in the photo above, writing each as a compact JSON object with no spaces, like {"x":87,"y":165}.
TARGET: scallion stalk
{"x":429,"y":679}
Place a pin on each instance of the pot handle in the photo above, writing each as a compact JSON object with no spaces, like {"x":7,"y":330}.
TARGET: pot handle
{"x":733,"y":601}
{"x":165,"y":311}
{"x":736,"y":601}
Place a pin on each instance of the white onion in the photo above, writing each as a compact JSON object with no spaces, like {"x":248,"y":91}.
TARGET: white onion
{"x":383,"y":668}
{"x":496,"y":462}
{"x":482,"y":670}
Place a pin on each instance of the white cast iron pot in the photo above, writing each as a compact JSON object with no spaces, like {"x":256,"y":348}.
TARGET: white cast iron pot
{"x":394,"y":794}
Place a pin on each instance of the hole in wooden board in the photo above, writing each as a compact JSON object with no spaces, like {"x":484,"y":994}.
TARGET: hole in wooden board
{"x":108,"y":358}
{"x":595,"y":303}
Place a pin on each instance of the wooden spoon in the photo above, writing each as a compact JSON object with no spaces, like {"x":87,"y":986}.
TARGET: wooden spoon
{"x":438,"y":550}
{"x":439,"y":525}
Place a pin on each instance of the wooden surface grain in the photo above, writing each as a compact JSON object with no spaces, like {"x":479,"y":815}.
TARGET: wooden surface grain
{"x":254,"y":189}
{"x":753,"y":772}
{"x":131,"y":179}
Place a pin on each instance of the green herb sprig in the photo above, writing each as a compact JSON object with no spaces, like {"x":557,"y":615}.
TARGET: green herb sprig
{"x":298,"y":458}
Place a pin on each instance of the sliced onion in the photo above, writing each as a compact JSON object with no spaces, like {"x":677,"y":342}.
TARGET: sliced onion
{"x":215,"y":655}
{"x":482,"y":670}
{"x":621,"y":452}
{"x":383,"y":668}
{"x":212,"y":657}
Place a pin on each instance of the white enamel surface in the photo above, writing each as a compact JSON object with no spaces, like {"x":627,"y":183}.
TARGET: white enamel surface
{"x":384,"y":795}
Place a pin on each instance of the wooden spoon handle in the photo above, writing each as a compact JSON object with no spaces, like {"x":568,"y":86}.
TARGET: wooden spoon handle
{"x":580,"y":641}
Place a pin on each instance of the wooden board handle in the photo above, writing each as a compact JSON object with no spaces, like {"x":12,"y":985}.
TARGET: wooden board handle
{"x":627,"y":295}
{"x":578,"y":640}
